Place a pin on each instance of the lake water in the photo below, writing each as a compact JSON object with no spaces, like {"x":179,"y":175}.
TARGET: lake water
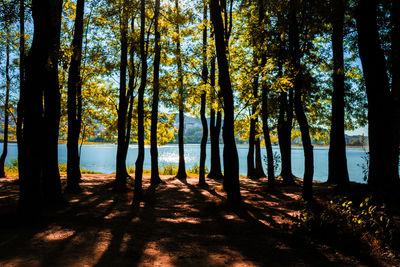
{"x":101,"y":158}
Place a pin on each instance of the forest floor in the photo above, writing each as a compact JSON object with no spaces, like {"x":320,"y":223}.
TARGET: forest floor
{"x":177,"y":224}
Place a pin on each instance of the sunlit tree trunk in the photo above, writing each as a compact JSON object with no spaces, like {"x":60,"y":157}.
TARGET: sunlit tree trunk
{"x":41,"y":111}
{"x":181,"y":168}
{"x":381,"y":130}
{"x":294,"y":47}
{"x":338,"y":173}
{"x":231,"y":160}
{"x":155,"y":177}
{"x":6,"y":103}
{"x":121,"y":173}
{"x":74,"y":109}
{"x":140,"y":158}
{"x":204,"y":74}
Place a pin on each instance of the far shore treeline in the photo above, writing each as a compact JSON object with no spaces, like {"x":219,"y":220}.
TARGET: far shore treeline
{"x":151,"y":72}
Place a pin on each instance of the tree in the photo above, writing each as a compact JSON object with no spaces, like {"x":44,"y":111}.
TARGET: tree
{"x":7,"y":20}
{"x":298,"y":86}
{"x":204,"y":74}
{"x":181,"y":168}
{"x":121,"y":173}
{"x":155,"y":177}
{"x":143,"y":56}
{"x":41,"y":111}
{"x":231,"y":176}
{"x":381,"y":130}
{"x":75,"y":102}
{"x":338,"y":173}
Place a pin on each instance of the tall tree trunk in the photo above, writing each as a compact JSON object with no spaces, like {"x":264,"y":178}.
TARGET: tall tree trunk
{"x":294,"y":47}
{"x":231,"y":160}
{"x":121,"y":173}
{"x":251,"y":171}
{"x":381,"y":129}
{"x":215,"y":130}
{"x":267,"y":138}
{"x":41,"y":111}
{"x":395,"y":36}
{"x":181,"y":169}
{"x":74,"y":82}
{"x":285,"y":121}
{"x":21,"y":84}
{"x":204,"y":74}
{"x":8,"y":85}
{"x":140,"y":158}
{"x":258,"y":161}
{"x":155,"y":177}
{"x":264,"y":99}
{"x":338,"y":173}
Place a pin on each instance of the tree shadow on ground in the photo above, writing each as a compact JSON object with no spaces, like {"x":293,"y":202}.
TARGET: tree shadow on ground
{"x":176,"y":224}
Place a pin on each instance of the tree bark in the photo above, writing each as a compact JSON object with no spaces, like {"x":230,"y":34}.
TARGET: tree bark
{"x":264,"y":99}
{"x":215,"y":130}
{"x":381,"y":130}
{"x":294,"y":47}
{"x":40,"y":176}
{"x":258,"y":161}
{"x":121,"y":173}
{"x":155,"y":177}
{"x":204,"y":74}
{"x":74,"y":109}
{"x":251,"y":171}
{"x":140,"y":158}
{"x":231,"y":160}
{"x":181,"y":169}
{"x":6,"y":114}
{"x":338,"y":173}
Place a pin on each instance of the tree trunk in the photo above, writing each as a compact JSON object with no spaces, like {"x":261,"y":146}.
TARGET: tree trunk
{"x":231,"y":160}
{"x":215,"y":130}
{"x":41,"y":112}
{"x":268,"y":145}
{"x":74,"y":122}
{"x":181,"y":169}
{"x":264,"y":99}
{"x":121,"y":173}
{"x":395,"y":36}
{"x":258,"y":161}
{"x":284,"y":135}
{"x":338,"y":173}
{"x":204,"y":74}
{"x":294,"y":48}
{"x":381,"y":130}
{"x":8,"y":85}
{"x":251,"y":171}
{"x":155,"y":177}
{"x":140,"y":158}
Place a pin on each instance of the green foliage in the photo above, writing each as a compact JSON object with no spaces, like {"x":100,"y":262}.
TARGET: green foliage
{"x":12,"y":168}
{"x":277,"y":162}
{"x":169,"y":169}
{"x":342,"y":217}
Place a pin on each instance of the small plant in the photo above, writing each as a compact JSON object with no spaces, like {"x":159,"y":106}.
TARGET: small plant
{"x":12,"y":167}
{"x":364,"y":165}
{"x":196,"y":169}
{"x":130,"y":169}
{"x":169,"y":170}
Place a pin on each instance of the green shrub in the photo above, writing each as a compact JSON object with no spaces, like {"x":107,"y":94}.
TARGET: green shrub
{"x":169,"y":170}
{"x":196,"y":169}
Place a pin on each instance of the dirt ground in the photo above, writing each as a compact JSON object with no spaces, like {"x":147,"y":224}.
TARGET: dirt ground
{"x":177,"y":224}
